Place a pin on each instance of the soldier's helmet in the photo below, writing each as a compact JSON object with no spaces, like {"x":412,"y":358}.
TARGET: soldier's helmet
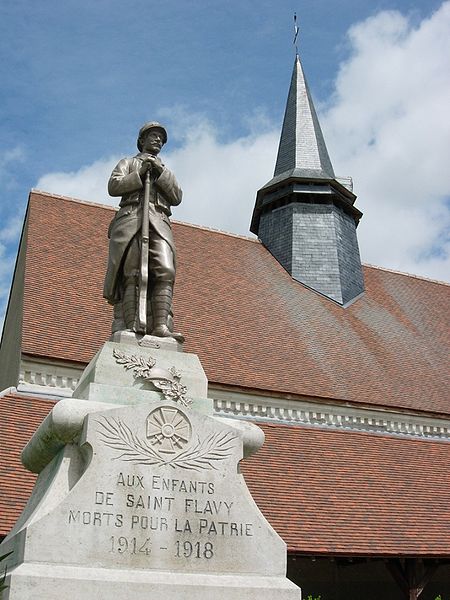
{"x":146,"y":127}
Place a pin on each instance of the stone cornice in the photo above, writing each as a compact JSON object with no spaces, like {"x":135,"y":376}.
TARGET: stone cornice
{"x":47,"y":378}
{"x":332,"y":416}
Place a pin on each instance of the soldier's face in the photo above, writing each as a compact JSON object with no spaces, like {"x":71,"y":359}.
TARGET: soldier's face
{"x":153,"y":141}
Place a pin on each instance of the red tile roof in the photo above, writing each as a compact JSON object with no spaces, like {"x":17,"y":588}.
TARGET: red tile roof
{"x":353,"y":493}
{"x":324,"y":491}
{"x":19,"y":418}
{"x":251,"y":324}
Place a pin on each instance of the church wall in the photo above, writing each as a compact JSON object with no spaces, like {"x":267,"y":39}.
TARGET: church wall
{"x":10,"y":347}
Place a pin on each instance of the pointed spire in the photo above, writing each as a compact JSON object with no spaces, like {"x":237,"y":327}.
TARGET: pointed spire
{"x":304,"y":215}
{"x":302,"y":151}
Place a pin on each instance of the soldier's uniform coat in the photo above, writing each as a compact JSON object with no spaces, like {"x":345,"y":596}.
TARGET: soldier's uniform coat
{"x":125,"y":181}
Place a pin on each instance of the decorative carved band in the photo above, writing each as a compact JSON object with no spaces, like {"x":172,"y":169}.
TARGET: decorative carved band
{"x":59,"y":381}
{"x":46,"y":379}
{"x":393,"y":424}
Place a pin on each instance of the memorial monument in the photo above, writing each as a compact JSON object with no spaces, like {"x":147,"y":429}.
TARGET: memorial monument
{"x":141,"y":263}
{"x":139,"y":493}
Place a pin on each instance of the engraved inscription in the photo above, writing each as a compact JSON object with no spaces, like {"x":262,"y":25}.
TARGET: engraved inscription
{"x":168,"y":493}
{"x":148,"y":515}
{"x":197,"y":550}
{"x":132,"y":545}
{"x":95,"y":518}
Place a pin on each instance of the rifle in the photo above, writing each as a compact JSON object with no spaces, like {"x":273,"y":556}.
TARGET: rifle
{"x":143,"y":270}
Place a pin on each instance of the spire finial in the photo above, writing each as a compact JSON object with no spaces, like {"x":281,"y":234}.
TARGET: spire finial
{"x":296,"y":30}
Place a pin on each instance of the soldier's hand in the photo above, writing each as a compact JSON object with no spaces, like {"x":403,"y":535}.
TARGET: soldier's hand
{"x":145,"y":166}
{"x":154,"y":164}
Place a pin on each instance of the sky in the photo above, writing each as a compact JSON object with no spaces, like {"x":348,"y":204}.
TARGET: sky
{"x":79,"y":78}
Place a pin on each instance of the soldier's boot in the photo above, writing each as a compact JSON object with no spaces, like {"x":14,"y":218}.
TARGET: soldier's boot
{"x":129,"y":303}
{"x":161,"y":309}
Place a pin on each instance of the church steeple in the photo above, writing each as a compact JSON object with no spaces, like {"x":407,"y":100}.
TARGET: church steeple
{"x":302,"y":151}
{"x":305,"y":215}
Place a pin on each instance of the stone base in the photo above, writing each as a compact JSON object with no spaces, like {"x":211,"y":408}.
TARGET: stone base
{"x":139,"y":493}
{"x":147,"y":498}
{"x":39,"y":581}
{"x":146,"y":341}
{"x":106,"y":379}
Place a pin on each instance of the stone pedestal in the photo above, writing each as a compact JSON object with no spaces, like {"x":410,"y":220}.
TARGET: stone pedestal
{"x":143,"y":498}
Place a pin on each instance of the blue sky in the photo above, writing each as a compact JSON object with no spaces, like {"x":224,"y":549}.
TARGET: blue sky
{"x":79,"y":78}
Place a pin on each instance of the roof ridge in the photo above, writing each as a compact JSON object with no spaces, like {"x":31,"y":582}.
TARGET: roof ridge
{"x":216,"y":230}
{"x":397,"y":272}
{"x":111,"y":207}
{"x":222,"y":232}
{"x":72,"y":199}
{"x":13,"y":393}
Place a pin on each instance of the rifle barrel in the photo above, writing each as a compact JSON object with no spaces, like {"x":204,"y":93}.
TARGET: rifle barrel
{"x":143,"y":270}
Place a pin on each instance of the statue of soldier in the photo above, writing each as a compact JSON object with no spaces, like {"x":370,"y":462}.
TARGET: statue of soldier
{"x":124,"y":270}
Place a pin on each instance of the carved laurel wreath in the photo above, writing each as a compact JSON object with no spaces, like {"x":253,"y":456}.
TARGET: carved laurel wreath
{"x":168,"y":381}
{"x":141,"y":366}
{"x":203,"y":455}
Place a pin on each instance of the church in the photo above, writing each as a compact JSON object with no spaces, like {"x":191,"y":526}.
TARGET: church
{"x":344,"y":367}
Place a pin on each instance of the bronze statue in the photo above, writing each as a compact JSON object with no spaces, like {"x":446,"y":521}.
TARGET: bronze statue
{"x":141,"y":264}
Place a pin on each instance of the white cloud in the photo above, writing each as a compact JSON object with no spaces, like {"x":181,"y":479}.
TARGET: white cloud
{"x":6,"y":266}
{"x":9,"y":159}
{"x":12,"y":154}
{"x":10,"y":232}
{"x":88,"y":183}
{"x":219,"y":180}
{"x":386,"y":126}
